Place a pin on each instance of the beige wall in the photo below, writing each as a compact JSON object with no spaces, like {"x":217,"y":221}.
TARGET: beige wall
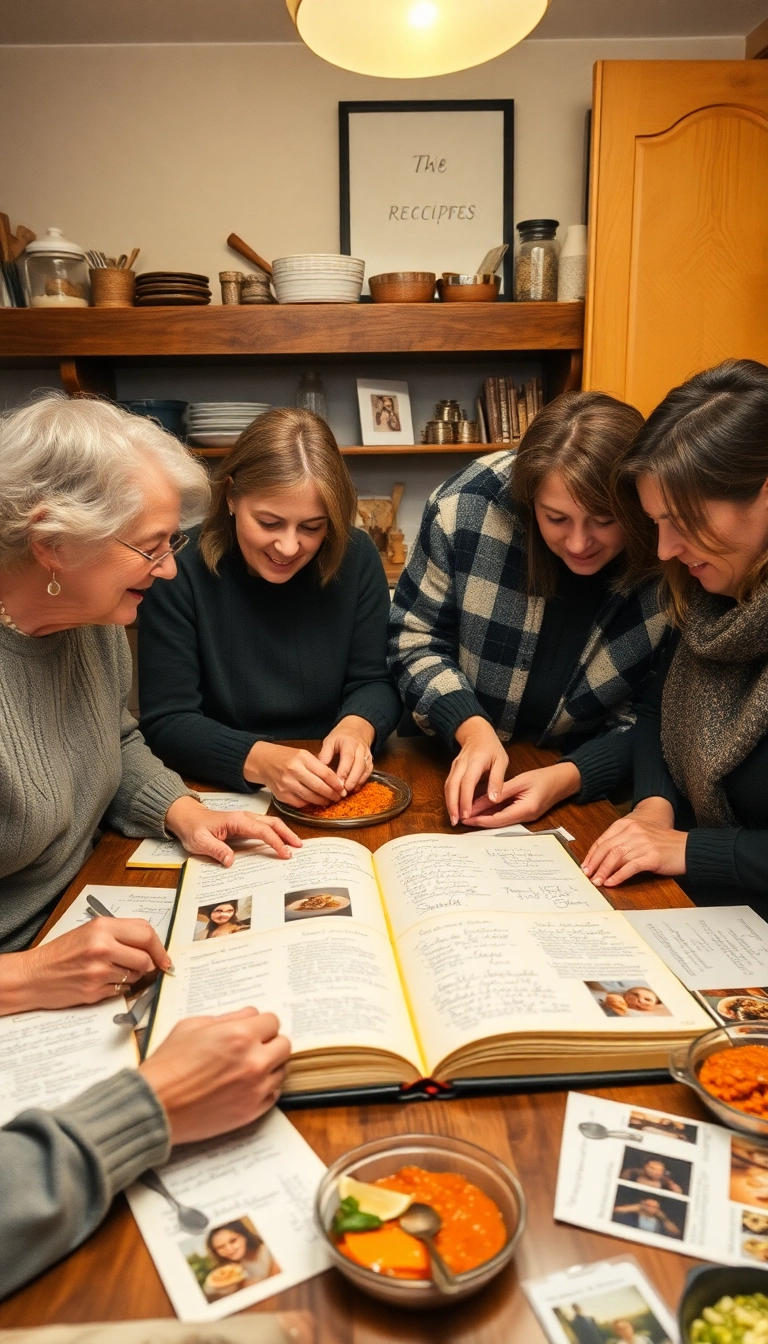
{"x":172,"y":147}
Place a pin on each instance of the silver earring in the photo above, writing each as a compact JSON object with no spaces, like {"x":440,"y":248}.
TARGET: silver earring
{"x":54,"y":588}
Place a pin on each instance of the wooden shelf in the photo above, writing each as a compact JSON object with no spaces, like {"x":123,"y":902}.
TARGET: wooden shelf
{"x":32,"y":334}
{"x":389,"y":450}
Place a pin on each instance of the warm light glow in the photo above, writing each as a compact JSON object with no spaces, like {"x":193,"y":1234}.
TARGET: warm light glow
{"x":411,"y":39}
{"x":423,"y":15}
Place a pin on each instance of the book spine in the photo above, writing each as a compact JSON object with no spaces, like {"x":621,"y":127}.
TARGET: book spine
{"x":530,"y":406}
{"x":539,"y":394}
{"x":522,"y":414}
{"x":480,"y":416}
{"x":514,"y":418}
{"x":504,"y":411}
{"x":492,"y":407}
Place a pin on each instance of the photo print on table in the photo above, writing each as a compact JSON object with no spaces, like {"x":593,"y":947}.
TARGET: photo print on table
{"x":737,"y":1005}
{"x":749,"y":1173}
{"x":222,"y":919}
{"x":229,"y":1257}
{"x":619,"y":1316}
{"x":627,"y":998}
{"x":660,"y":1214}
{"x":648,"y":1123}
{"x":317,"y":902}
{"x":672,"y":1174}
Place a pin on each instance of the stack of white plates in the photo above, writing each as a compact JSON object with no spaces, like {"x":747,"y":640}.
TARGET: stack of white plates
{"x":318,"y":277}
{"x":219,"y":424}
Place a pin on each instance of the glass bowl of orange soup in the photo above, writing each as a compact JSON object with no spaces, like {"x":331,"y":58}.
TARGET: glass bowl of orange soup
{"x":728,"y":1069}
{"x":497,"y":1212}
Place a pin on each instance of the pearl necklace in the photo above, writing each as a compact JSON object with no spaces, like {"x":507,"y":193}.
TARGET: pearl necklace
{"x":9,"y":622}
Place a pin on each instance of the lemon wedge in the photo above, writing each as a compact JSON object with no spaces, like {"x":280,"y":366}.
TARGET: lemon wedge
{"x":385,"y":1204}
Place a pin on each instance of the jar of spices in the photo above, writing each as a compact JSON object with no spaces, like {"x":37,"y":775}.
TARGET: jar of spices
{"x":536,"y":260}
{"x":57,"y":273}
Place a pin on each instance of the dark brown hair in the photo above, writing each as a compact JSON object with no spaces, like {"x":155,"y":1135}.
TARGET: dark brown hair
{"x":278,"y":451}
{"x":578,"y":435}
{"x":707,"y":440}
{"x":252,"y":1240}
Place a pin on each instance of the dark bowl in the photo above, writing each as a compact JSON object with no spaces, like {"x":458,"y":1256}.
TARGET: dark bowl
{"x":706,"y":1284}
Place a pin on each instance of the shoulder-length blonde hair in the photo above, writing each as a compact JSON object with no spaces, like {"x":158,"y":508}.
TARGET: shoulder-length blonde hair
{"x":707,"y":440}
{"x":578,"y":435}
{"x":279,"y":451}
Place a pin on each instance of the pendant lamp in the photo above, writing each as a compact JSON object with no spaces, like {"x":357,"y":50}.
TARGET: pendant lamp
{"x":410,"y":39}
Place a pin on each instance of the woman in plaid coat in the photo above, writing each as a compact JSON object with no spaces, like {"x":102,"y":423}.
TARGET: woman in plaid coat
{"x":519,"y":615}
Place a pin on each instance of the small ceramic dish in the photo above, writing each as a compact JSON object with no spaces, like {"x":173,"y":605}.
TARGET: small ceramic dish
{"x":433,"y":1152}
{"x":455,"y":288}
{"x":400,"y":800}
{"x":706,"y":1284}
{"x":403,"y":287}
{"x":685,"y":1064}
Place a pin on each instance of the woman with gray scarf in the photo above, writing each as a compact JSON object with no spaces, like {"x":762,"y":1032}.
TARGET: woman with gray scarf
{"x":699,"y":469}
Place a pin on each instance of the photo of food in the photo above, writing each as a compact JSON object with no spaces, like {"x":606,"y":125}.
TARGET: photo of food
{"x":756,"y":1248}
{"x":737,"y":1004}
{"x":656,"y":1172}
{"x":749,"y":1173}
{"x":229,"y":1257}
{"x":626,"y":998}
{"x":619,"y":1316}
{"x":660,"y":1214}
{"x":672,"y":1128}
{"x":386,"y":414}
{"x":222,"y":919}
{"x":754,"y":1222}
{"x":314,"y":902}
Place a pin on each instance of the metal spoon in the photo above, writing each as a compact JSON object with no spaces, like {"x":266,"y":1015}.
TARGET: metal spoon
{"x":134,"y":1015}
{"x":424,"y":1222}
{"x":590,"y":1130}
{"x":190,"y":1220}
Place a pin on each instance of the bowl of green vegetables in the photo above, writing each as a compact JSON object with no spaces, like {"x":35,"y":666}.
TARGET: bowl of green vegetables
{"x":724,"y":1304}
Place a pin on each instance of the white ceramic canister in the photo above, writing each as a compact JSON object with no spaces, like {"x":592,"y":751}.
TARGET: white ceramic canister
{"x":572,"y":275}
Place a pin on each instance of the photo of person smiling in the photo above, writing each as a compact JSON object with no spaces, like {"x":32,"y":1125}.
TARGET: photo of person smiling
{"x":218,"y":921}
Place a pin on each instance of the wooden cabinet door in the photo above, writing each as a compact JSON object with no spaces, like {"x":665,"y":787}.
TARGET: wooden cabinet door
{"x":678,"y":265}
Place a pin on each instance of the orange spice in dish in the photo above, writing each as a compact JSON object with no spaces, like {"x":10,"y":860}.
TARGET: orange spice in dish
{"x":368,"y":801}
{"x":739,"y":1076}
{"x":472,"y":1231}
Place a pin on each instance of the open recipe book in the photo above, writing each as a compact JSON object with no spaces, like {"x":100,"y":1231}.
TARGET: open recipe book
{"x":447,"y":957}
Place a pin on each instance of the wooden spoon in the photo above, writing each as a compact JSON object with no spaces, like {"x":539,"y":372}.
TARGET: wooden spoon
{"x":238,"y":245}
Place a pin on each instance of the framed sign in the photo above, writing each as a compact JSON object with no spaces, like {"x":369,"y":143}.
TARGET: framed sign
{"x":427,"y":186}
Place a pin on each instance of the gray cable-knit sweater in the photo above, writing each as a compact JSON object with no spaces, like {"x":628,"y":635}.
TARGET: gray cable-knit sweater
{"x":70,"y":756}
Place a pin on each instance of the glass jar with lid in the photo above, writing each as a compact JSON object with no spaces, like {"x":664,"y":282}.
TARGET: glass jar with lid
{"x":57,"y":273}
{"x":536,"y":260}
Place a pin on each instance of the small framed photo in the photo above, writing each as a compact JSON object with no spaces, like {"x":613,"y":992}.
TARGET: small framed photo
{"x":385,"y":413}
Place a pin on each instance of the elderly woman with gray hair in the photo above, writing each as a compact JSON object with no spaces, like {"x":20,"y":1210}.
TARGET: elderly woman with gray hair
{"x":89,"y":516}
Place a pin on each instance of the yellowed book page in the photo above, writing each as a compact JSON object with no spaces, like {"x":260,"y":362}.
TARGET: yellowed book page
{"x":479,"y":976}
{"x":328,"y":880}
{"x":333,"y":983}
{"x":425,"y":875}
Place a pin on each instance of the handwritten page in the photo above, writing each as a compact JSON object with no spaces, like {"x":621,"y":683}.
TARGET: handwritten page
{"x":717,"y":945}
{"x":327,"y":879}
{"x":151,"y":903}
{"x":255,"y":1191}
{"x":663,"y":1180}
{"x":49,"y":1057}
{"x":481,"y":976}
{"x":172,"y":854}
{"x":422,"y":875}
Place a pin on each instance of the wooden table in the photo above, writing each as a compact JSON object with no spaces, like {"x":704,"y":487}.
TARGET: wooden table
{"x":112,"y":1276}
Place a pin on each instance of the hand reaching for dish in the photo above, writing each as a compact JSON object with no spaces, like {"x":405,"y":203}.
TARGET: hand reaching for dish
{"x":202,"y":831}
{"x":526,"y":796}
{"x":351,"y":740}
{"x":93,"y":962}
{"x":292,"y":774}
{"x":214,"y":1074}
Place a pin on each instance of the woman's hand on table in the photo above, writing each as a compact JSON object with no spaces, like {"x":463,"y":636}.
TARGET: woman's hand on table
{"x":292,"y":774}
{"x":96,"y":961}
{"x":481,"y":754}
{"x":526,"y":796}
{"x":202,"y":831}
{"x":643,"y":842}
{"x":351,"y":741}
{"x":214,"y":1074}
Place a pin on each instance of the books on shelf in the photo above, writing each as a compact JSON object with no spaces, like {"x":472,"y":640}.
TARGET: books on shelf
{"x":449,"y":957}
{"x":509,"y":410}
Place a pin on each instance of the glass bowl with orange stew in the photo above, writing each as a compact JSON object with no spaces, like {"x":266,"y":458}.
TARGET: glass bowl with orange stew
{"x":728,"y":1069}
{"x":434,"y":1154}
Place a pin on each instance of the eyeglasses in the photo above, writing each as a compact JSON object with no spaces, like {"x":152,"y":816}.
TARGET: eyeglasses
{"x":178,"y":542}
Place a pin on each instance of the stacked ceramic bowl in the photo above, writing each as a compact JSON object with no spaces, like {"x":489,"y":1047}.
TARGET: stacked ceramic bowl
{"x":318,"y":277}
{"x":219,"y":424}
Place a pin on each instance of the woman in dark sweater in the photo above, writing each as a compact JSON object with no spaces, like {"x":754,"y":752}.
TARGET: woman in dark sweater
{"x":518,"y":615}
{"x":699,"y":470}
{"x":275,"y":627}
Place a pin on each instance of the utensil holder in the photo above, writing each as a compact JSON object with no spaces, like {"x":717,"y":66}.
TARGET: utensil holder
{"x":112,"y":288}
